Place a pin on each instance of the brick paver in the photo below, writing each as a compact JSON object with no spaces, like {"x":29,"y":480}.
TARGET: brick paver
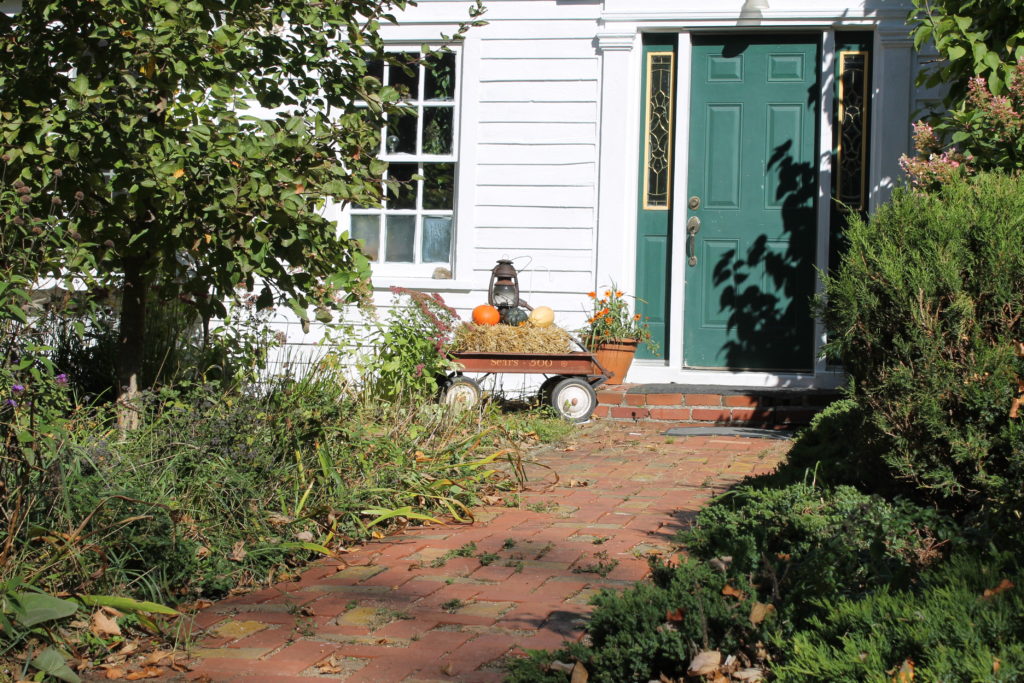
{"x":400,"y":611}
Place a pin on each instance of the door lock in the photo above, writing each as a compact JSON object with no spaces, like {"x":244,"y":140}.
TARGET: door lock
{"x":694,"y":203}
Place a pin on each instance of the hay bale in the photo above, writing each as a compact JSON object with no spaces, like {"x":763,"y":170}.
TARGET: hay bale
{"x":523,"y":338}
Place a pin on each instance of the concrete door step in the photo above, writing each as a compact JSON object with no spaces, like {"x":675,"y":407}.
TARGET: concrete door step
{"x":761,"y":407}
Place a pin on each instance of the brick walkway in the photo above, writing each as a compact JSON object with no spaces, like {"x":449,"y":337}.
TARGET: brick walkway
{"x":427,"y":606}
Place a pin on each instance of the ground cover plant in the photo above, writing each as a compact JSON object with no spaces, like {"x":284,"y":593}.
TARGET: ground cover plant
{"x":227,"y":484}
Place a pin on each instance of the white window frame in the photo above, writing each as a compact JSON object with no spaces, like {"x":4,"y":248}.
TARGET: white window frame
{"x":386,"y":273}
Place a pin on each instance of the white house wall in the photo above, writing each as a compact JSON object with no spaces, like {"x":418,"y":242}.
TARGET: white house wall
{"x":548,"y":140}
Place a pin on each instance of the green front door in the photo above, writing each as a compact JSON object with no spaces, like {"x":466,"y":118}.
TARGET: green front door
{"x":750,"y":206}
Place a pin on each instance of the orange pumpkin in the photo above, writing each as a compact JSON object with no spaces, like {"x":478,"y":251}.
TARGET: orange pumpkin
{"x":485,"y":314}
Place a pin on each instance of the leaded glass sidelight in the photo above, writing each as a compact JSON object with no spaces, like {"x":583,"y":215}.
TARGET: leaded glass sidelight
{"x":851,"y":147}
{"x":658,"y":141}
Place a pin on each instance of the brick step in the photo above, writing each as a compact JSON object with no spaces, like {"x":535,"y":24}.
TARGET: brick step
{"x":698,"y":404}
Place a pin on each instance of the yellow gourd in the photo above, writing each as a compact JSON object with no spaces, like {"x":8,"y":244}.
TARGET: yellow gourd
{"x":542,"y":316}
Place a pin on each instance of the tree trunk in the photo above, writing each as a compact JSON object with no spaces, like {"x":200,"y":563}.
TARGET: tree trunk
{"x":131,"y":340}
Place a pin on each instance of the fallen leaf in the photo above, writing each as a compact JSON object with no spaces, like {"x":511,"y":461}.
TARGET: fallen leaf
{"x":569,"y":449}
{"x":128,"y":648}
{"x":751,"y":674}
{"x":330,"y":666}
{"x":704,"y":663}
{"x":720,"y":678}
{"x":674,"y":615}
{"x":1003,"y":586}
{"x":558,"y":665}
{"x":448,"y":668}
{"x":159,"y":656}
{"x":304,"y":536}
{"x":238,"y":552}
{"x":996,"y":665}
{"x":759,"y":611}
{"x":277,"y":519}
{"x":579,"y":673}
{"x":733,"y":592}
{"x":114,"y":673}
{"x":300,"y":188}
{"x":103,"y":624}
{"x":202,"y":552}
{"x":147,"y":672}
{"x":576,"y":483}
{"x":491,"y":500}
{"x":906,"y":672}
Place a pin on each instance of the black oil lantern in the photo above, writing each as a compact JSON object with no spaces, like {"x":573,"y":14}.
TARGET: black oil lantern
{"x":503,"y":291}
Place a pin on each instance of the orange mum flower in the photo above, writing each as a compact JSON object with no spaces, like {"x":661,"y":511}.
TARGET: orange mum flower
{"x":592,"y":295}
{"x":618,"y":293}
{"x":603,"y":312}
{"x":636,"y":317}
{"x":607,"y":292}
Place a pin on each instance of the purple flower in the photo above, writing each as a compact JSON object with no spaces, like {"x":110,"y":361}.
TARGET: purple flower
{"x":18,"y":388}
{"x":61,"y":379}
{"x":11,"y":402}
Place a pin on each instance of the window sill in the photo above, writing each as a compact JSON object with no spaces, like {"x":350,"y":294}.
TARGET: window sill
{"x":425,"y":284}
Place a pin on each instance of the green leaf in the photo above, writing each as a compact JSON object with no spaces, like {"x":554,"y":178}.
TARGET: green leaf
{"x":956,"y":52}
{"x":30,"y":608}
{"x":125,"y":604}
{"x":52,"y":663}
{"x":71,"y":149}
{"x":383,"y":514}
{"x":314,"y":547}
{"x":80,"y":85}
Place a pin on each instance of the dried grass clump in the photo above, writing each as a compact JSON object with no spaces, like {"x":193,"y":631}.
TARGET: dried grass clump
{"x":507,"y":339}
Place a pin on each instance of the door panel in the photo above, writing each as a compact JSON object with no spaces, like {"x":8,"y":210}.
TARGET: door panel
{"x":753,"y":166}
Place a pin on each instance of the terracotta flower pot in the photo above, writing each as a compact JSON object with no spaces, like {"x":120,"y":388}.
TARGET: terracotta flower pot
{"x":616,"y":355}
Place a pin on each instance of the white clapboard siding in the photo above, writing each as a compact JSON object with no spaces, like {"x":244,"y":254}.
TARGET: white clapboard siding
{"x":537,"y":133}
{"x":532,"y":47}
{"x":527,"y":152}
{"x":546,"y":70}
{"x":510,"y":237}
{"x":539,"y":91}
{"x":538,"y":195}
{"x":488,"y":217}
{"x":540,"y":112}
{"x":536,"y":261}
{"x":532,"y":173}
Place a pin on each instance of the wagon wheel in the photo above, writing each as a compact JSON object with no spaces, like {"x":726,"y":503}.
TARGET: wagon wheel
{"x":574,"y":399}
{"x":545,"y":389}
{"x":461,"y":393}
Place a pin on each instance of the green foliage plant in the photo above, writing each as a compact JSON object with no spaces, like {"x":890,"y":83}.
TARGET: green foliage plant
{"x":973,"y":38}
{"x":409,"y":348}
{"x":961,"y":622}
{"x":197,"y":143}
{"x":924,"y":312}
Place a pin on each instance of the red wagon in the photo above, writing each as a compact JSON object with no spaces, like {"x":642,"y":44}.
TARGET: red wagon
{"x":569,"y":387}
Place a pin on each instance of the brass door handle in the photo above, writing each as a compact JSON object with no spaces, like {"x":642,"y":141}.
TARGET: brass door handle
{"x":692,"y":228}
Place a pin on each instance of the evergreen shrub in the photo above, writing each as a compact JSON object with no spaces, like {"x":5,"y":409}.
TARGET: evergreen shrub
{"x":924,"y":311}
{"x":964,"y":621}
{"x":800,"y":544}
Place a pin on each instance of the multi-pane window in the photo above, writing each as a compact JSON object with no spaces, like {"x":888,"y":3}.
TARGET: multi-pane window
{"x":416,"y":223}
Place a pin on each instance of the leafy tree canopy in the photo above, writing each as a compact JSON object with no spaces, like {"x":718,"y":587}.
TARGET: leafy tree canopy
{"x":973,"y":38}
{"x":195,"y":142}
